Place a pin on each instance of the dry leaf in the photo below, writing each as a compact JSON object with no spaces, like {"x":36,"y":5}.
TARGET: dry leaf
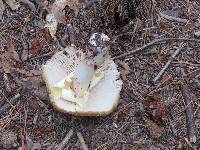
{"x":31,"y":73}
{"x":43,"y":129}
{"x":153,"y":128}
{"x":8,"y":56}
{"x":2,"y":8}
{"x":126,"y":68}
{"x":156,"y":107}
{"x":122,"y":115}
{"x":165,"y":25}
{"x":12,"y":51}
{"x":51,"y":24}
{"x":59,"y":5}
{"x":56,"y":14}
{"x":30,"y":4}
{"x":12,"y":4}
{"x":36,"y":46}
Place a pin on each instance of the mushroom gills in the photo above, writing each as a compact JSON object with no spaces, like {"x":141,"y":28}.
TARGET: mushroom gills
{"x":65,"y":89}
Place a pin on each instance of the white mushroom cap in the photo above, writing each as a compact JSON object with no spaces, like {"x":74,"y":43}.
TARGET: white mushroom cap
{"x":104,"y":94}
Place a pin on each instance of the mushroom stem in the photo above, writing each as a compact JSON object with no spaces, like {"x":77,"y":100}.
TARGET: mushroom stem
{"x":82,"y":77}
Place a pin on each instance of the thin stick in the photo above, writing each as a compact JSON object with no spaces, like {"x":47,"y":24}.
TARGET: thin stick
{"x":70,"y":30}
{"x":191,"y":127}
{"x":82,"y":141}
{"x":188,"y":98}
{"x":172,"y":18}
{"x":166,"y":65}
{"x":13,"y":100}
{"x":6,"y":82}
{"x":65,"y":140}
{"x":193,"y":74}
{"x":156,"y":41}
{"x":41,"y":56}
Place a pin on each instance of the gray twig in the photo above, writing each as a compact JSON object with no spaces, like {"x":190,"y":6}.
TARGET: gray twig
{"x":156,"y":41}
{"x":65,"y":140}
{"x":82,"y":141}
{"x":24,"y":55}
{"x":172,"y":18}
{"x":12,"y":101}
{"x":191,"y":127}
{"x":43,"y":55}
{"x":190,"y":120}
{"x":70,"y":30}
{"x":6,"y":82}
{"x":166,"y":65}
{"x":193,"y":74}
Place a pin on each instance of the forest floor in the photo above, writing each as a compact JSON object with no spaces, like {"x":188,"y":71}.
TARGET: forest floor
{"x":156,"y":45}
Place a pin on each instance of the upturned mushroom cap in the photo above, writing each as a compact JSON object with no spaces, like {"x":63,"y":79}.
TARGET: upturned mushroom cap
{"x":103,"y":93}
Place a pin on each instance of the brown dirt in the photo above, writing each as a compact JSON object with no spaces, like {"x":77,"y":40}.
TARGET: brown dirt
{"x":134,"y":124}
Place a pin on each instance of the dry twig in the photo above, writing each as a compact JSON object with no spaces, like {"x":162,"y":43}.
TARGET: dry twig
{"x":12,"y":101}
{"x":82,"y":141}
{"x":70,"y":30}
{"x":43,"y":55}
{"x":188,"y":98}
{"x":172,"y":18}
{"x":6,"y":82}
{"x":193,"y":74}
{"x":65,"y":140}
{"x":191,"y":127}
{"x":156,"y":41}
{"x":166,"y":65}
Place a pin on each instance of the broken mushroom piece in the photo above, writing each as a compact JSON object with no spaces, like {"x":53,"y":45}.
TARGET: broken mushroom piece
{"x":76,"y":88}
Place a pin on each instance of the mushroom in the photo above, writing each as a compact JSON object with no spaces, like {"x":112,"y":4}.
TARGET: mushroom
{"x":77,"y":88}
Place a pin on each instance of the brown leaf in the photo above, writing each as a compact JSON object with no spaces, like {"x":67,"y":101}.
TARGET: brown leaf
{"x":156,"y":107}
{"x":44,"y":33}
{"x":43,"y":129}
{"x":34,"y":104}
{"x":8,"y":56}
{"x":165,"y":26}
{"x":6,"y":63}
{"x":11,"y":49}
{"x":122,"y":115}
{"x":153,"y":128}
{"x":36,"y":46}
{"x":33,"y":72}
{"x":126,"y":68}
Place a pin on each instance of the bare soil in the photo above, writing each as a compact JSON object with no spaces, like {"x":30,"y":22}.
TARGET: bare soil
{"x":151,"y":115}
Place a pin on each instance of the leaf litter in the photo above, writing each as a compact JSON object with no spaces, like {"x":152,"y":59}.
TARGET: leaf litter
{"x":57,"y":14}
{"x":132,"y":130}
